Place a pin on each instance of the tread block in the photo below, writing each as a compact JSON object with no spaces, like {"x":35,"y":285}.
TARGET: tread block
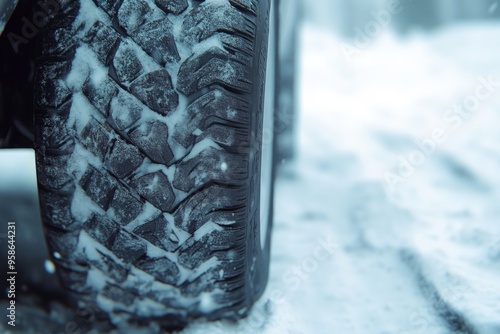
{"x":156,"y":189}
{"x":152,"y":139}
{"x":155,"y":90}
{"x":62,"y":12}
{"x":128,"y":247}
{"x":52,"y":91}
{"x":57,"y":210}
{"x":156,"y":38}
{"x":125,"y":207}
{"x":239,"y":46}
{"x":62,"y":242}
{"x":118,"y":294}
{"x":60,"y":41}
{"x":216,"y":204}
{"x":195,"y":252}
{"x":109,"y":6}
{"x":113,"y":269}
{"x":218,"y":105}
{"x":123,"y":159}
{"x":125,"y":111}
{"x":223,"y":135}
{"x":126,"y":64}
{"x":162,"y":269}
{"x":214,"y":66}
{"x":159,"y":233}
{"x":51,"y":132}
{"x":54,"y":173}
{"x":99,"y":187}
{"x":172,"y":6}
{"x":249,"y":5}
{"x":95,"y":138}
{"x":212,"y":17}
{"x":211,"y":165}
{"x":132,"y":14}
{"x":101,"y":229}
{"x":74,"y":278}
{"x":100,"y":95}
{"x":103,"y":40}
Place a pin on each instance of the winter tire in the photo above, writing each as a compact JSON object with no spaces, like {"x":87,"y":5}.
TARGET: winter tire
{"x":148,"y":134}
{"x":287,"y":110}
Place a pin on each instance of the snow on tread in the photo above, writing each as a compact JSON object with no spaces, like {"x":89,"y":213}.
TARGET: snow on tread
{"x":100,"y":96}
{"x":171,"y":225}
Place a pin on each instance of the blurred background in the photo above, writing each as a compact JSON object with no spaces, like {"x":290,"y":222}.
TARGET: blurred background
{"x":341,"y":16}
{"x":387,"y":217}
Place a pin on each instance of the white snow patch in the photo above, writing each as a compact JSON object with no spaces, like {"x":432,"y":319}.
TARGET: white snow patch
{"x":155,"y":252}
{"x":81,"y":112}
{"x":96,"y":279}
{"x":180,"y":234}
{"x":89,"y":13}
{"x":49,"y":267}
{"x":203,"y":268}
{"x":149,"y":212}
{"x":208,"y":303}
{"x":84,"y":65}
{"x":207,"y":44}
{"x":206,"y":229}
{"x":200,"y":147}
{"x":82,"y":207}
{"x":226,"y":222}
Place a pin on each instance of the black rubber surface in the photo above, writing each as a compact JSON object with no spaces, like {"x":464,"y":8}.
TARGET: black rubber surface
{"x":149,"y":175}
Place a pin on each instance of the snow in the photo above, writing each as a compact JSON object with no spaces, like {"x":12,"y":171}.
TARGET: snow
{"x":49,"y":267}
{"x":207,"y":229}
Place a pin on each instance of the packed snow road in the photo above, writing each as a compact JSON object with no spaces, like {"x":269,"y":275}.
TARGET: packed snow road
{"x":387,"y":222}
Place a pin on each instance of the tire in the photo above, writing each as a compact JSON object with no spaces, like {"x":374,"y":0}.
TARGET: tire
{"x":148,"y":135}
{"x":287,"y":110}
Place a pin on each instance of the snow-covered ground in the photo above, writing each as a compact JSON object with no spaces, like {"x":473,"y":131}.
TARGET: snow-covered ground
{"x":388,"y":220}
{"x":364,"y":243}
